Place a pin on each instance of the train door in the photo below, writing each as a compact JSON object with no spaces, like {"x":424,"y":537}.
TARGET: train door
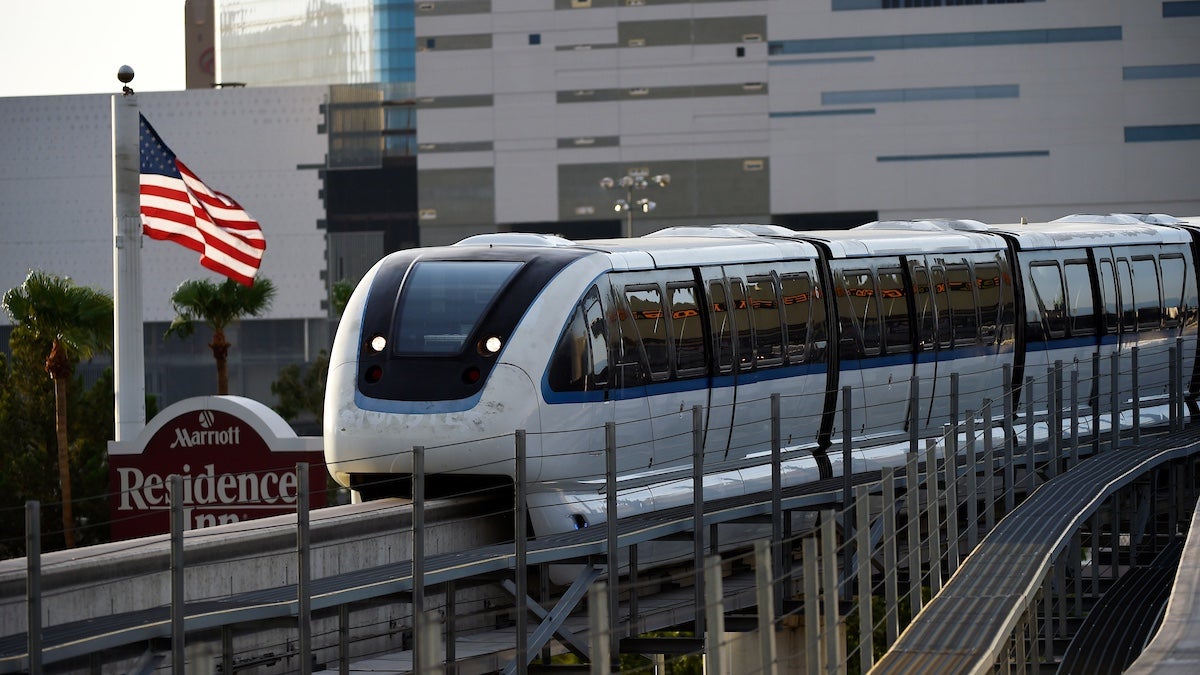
{"x":875,"y":342}
{"x":992,"y":342}
{"x":757,"y":350}
{"x":671,"y":413}
{"x":1109,"y":324}
{"x":926,"y":296}
{"x":803,"y":402}
{"x":1154,"y":322}
{"x":722,"y":335}
{"x":666,"y":310}
{"x":1061,"y":323}
{"x":628,"y":405}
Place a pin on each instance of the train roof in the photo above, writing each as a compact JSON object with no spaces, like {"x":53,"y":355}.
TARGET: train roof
{"x":1084,"y":230}
{"x":900,"y":237}
{"x":679,"y":247}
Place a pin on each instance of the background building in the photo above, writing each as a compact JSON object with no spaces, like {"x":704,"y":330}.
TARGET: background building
{"x":262,"y":146}
{"x":353,"y":128}
{"x":806,"y":114}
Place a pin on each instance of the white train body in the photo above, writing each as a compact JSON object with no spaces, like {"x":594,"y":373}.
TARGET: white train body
{"x":453,"y":349}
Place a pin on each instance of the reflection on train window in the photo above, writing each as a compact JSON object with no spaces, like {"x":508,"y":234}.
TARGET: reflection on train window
{"x":768,"y":331}
{"x":1145,"y":293}
{"x":858,"y":314}
{"x":443,"y":301}
{"x":745,"y":335}
{"x":1174,"y":282}
{"x":960,"y":290}
{"x":926,"y":317}
{"x":568,"y":367}
{"x":687,"y":332}
{"x":629,"y":359}
{"x":818,"y":335}
{"x":1079,"y":298}
{"x":797,"y":312}
{"x":1047,"y":289}
{"x":1108,"y":295}
{"x":1128,"y":306}
{"x":941,"y":302}
{"x":645,"y":305}
{"x":721,"y":320}
{"x":597,"y":336}
{"x":580,"y":359}
{"x":894,"y":306}
{"x":990,"y":286}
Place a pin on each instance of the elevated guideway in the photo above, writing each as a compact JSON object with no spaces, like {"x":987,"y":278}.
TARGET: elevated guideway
{"x":969,"y":626}
{"x":1175,"y":648}
{"x":111,"y":606}
{"x":139,"y":624}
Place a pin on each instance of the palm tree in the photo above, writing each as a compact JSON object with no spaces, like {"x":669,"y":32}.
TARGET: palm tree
{"x":77,"y":321}
{"x":218,"y":305}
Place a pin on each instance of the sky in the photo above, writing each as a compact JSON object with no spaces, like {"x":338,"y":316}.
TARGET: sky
{"x":57,"y":47}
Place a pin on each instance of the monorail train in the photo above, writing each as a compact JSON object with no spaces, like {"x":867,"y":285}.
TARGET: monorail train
{"x":454,"y":348}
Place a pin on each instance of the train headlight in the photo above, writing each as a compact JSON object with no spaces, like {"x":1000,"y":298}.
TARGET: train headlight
{"x":378,"y":343}
{"x":490,"y":346}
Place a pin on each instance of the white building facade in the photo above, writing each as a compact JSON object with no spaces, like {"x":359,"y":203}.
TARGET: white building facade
{"x":807,"y":113}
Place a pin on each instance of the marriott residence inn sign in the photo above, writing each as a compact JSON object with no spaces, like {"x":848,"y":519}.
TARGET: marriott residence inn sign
{"x":237,"y":458}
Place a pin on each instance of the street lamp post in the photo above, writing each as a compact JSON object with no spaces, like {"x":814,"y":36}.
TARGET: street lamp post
{"x":636,"y":179}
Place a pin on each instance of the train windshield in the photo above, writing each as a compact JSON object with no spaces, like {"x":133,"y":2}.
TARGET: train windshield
{"x":443,"y":301}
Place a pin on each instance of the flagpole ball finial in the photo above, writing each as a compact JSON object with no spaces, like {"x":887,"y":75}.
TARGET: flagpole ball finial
{"x":125,"y":75}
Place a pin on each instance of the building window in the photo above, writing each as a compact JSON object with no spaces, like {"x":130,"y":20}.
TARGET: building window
{"x":535,"y":38}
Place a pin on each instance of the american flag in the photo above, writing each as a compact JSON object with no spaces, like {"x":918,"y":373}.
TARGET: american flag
{"x":178,"y":206}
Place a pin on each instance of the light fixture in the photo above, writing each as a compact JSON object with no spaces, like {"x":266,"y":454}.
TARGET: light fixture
{"x":491,"y":345}
{"x":634,"y":179}
{"x":378,"y":343}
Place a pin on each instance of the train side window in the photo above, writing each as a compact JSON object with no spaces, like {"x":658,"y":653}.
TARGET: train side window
{"x":797,"y":313}
{"x":1108,"y":295}
{"x":818,"y":334}
{"x":580,"y":359}
{"x":721,"y":322}
{"x":1079,"y":298}
{"x":646,"y":308}
{"x":597,"y":337}
{"x":627,"y":359}
{"x":1008,"y":305}
{"x":926,"y":316}
{"x":1047,"y":283}
{"x":1146,"y":293}
{"x":1128,"y":306}
{"x":960,"y":289}
{"x":1174,"y":283}
{"x":768,"y":325}
{"x":941,"y":303}
{"x":568,"y":366}
{"x":858,"y":314}
{"x":687,"y":332}
{"x":745,"y":334}
{"x":990,"y":288}
{"x":893,"y":304}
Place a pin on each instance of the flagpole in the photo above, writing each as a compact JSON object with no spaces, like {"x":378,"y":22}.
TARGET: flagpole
{"x":128,"y":356}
